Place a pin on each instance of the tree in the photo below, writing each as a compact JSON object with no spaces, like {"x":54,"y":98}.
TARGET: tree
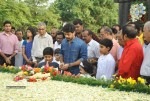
{"x":42,"y":12}
{"x":17,"y":12}
{"x":94,"y":13}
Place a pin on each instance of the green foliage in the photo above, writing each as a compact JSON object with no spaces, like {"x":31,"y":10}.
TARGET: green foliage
{"x":9,"y":70}
{"x":82,"y":80}
{"x":138,"y":87}
{"x":124,"y":85}
{"x":24,"y":13}
{"x":17,"y":12}
{"x":94,"y":13}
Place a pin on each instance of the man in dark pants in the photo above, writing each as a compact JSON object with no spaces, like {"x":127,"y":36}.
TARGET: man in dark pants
{"x":145,"y":68}
{"x":8,"y":45}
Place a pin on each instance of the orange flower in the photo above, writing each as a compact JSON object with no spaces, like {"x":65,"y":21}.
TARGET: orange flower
{"x":67,"y":73}
{"x":50,"y":69}
{"x":37,"y":70}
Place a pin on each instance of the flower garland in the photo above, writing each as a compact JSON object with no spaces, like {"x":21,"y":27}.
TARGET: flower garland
{"x":29,"y":74}
{"x":137,"y":11}
{"x":53,"y":90}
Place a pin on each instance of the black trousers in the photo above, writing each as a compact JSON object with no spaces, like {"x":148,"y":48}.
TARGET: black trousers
{"x":2,"y":60}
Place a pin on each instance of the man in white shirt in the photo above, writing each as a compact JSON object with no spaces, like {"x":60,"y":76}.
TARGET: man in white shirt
{"x":40,"y":42}
{"x":93,"y":49}
{"x":92,"y":45}
{"x":59,"y":37}
{"x":145,"y":68}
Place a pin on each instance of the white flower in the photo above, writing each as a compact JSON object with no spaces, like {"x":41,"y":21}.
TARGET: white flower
{"x":137,"y":11}
{"x":52,"y":90}
{"x":32,"y":72}
{"x":42,"y":67}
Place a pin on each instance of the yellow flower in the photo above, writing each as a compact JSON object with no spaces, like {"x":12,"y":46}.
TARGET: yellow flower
{"x":10,"y":67}
{"x":141,"y":80}
{"x":25,"y":73}
{"x":111,"y":86}
{"x":119,"y":81}
{"x":4,"y":65}
{"x":131,"y":81}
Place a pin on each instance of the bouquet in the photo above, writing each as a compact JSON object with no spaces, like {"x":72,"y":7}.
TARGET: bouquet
{"x":137,"y":11}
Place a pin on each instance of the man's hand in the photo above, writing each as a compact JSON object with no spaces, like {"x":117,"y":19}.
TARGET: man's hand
{"x":29,"y":62}
{"x":61,"y":65}
{"x":65,"y":67}
{"x":8,"y":60}
{"x":35,"y":64}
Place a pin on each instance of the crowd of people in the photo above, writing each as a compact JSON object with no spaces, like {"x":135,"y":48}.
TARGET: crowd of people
{"x":123,"y":51}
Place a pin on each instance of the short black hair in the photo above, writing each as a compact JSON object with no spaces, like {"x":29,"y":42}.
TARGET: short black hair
{"x":107,"y":43}
{"x":87,"y":66}
{"x":13,"y":27}
{"x":130,"y":31}
{"x":69,"y":28}
{"x":60,"y":33}
{"x":6,"y":22}
{"x":114,"y":30}
{"x":57,"y":51}
{"x":89,"y":31}
{"x":33,"y":31}
{"x":18,"y":30}
{"x":77,"y":21}
{"x":48,"y":51}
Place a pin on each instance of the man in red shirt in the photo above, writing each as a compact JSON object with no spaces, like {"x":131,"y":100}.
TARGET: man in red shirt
{"x":132,"y":56}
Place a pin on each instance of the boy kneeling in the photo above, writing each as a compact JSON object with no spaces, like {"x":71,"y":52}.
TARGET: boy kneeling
{"x":48,"y":57}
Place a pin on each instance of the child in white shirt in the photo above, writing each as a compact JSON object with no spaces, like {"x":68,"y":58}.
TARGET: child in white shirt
{"x":106,"y":62}
{"x":57,"y":56}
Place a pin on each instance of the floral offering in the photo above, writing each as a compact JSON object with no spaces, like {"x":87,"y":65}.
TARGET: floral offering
{"x":137,"y":11}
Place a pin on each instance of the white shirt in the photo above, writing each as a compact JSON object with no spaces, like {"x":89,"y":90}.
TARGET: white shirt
{"x":39,"y":44}
{"x":105,"y":66}
{"x":144,"y":48}
{"x":56,"y":45}
{"x":119,"y":54}
{"x":18,"y":56}
{"x":54,"y":60}
{"x":93,"y":48}
{"x":145,"y":68}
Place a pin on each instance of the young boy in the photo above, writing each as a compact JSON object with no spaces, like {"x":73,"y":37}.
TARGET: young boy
{"x":57,"y":56}
{"x":48,"y":57}
{"x":106,"y":62}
